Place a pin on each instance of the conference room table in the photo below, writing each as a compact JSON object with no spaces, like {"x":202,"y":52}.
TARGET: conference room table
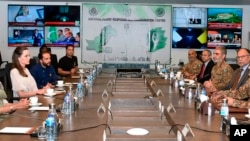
{"x":86,"y":124}
{"x":204,"y":127}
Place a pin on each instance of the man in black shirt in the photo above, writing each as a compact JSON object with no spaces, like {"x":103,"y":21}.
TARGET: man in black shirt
{"x":68,"y":64}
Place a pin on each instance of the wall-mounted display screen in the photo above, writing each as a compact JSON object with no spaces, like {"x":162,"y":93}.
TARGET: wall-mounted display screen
{"x":189,"y":38}
{"x":23,"y":15}
{"x":224,"y":17}
{"x":25,"y":36}
{"x":230,"y":38}
{"x":62,"y":15}
{"x":34,"y":25}
{"x":189,"y":17}
{"x":57,"y":36}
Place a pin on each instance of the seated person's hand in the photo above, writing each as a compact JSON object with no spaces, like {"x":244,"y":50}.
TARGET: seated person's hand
{"x":209,"y":86}
{"x":193,"y":77}
{"x":49,"y":85}
{"x":216,"y":97}
{"x":186,"y":74}
{"x":41,"y":91}
{"x":73,"y":70}
{"x":230,"y":101}
{"x":23,"y":104}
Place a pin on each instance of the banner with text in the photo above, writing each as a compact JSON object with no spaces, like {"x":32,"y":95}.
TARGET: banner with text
{"x":126,"y":33}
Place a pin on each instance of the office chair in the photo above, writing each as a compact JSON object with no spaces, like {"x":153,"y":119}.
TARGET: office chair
{"x":8,"y":84}
{"x":1,"y":61}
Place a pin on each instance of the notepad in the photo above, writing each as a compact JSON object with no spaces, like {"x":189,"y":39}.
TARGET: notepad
{"x":41,"y":108}
{"x":75,"y":76}
{"x":17,"y":130}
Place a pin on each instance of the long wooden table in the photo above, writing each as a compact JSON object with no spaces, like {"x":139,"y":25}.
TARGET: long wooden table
{"x":204,"y":127}
{"x":86,"y":116}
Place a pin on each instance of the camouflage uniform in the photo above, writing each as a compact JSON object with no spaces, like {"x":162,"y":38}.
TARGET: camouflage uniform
{"x":240,"y":95}
{"x":221,"y":74}
{"x":193,"y":68}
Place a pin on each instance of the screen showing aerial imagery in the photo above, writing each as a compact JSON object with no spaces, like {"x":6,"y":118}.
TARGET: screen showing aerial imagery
{"x":224,"y":18}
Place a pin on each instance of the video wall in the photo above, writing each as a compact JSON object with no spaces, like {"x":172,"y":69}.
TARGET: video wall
{"x":35,"y":25}
{"x":201,"y":28}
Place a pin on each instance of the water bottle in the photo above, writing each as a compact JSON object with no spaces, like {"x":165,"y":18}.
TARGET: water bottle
{"x":80,"y":90}
{"x":156,"y":64}
{"x":190,"y":93}
{"x":181,"y":82}
{"x":89,"y":79}
{"x":51,"y":128}
{"x":171,"y":75}
{"x":67,"y":104}
{"x":209,"y":109}
{"x":203,"y":91}
{"x":158,"y":67}
{"x":224,"y":111}
{"x":52,"y":111}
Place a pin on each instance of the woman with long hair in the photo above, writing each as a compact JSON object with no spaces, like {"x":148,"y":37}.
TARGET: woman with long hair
{"x":23,"y":84}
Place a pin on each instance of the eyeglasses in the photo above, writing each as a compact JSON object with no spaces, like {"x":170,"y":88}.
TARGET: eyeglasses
{"x":241,"y":57}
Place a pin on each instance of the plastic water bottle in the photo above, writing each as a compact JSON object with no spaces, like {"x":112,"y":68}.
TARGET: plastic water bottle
{"x":190,"y":93}
{"x":209,"y":109}
{"x":224,"y":110}
{"x":181,"y":82}
{"x":52,"y":110}
{"x":203,"y":91}
{"x":67,"y":104}
{"x":80,"y":90}
{"x":171,"y":75}
{"x":51,"y":127}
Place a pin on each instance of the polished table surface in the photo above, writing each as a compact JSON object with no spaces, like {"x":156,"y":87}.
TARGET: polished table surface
{"x":84,"y":117}
{"x":76,"y":126}
{"x":204,"y":127}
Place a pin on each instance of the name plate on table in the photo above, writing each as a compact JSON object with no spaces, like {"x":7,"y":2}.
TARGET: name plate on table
{"x":105,"y":93}
{"x":159,"y":92}
{"x":152,"y":83}
{"x":109,"y":83}
{"x":186,"y":129}
{"x":101,"y":108}
{"x":171,"y":108}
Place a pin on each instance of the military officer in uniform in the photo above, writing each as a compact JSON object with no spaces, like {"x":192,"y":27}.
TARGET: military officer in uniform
{"x":237,"y":97}
{"x":193,"y":67}
{"x":221,"y":73}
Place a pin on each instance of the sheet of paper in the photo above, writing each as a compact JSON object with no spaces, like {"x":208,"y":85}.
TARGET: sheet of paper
{"x":75,"y":76}
{"x":16,"y":130}
{"x":41,"y":108}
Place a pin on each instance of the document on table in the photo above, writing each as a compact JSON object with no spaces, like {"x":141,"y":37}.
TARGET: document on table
{"x":41,"y":108}
{"x":17,"y":130}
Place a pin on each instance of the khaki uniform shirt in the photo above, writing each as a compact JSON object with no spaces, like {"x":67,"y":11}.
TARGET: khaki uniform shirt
{"x":193,"y":67}
{"x":238,"y":96}
{"x":221,"y":74}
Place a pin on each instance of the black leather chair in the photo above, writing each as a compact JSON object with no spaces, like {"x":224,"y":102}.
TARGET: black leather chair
{"x":8,"y":86}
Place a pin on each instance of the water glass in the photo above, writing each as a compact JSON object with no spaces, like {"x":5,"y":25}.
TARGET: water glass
{"x":41,"y":132}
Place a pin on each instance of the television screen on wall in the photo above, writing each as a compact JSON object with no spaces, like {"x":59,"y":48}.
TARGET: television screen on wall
{"x":25,"y":15}
{"x":189,"y":17}
{"x":62,"y":15}
{"x":224,"y":17}
{"x":34,"y":25}
{"x":189,"y":38}
{"x":230,"y":38}
{"x":68,"y":36}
